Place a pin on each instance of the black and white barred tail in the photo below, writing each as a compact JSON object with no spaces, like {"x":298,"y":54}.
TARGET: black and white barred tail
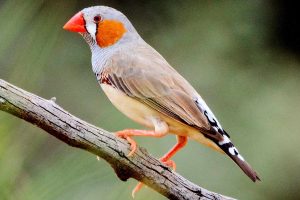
{"x":227,"y":146}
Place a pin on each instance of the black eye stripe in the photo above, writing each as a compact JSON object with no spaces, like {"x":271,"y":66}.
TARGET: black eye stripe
{"x":97,"y":24}
{"x":97,"y":19}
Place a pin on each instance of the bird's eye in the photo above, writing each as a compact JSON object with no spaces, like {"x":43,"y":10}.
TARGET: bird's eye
{"x":97,"y":18}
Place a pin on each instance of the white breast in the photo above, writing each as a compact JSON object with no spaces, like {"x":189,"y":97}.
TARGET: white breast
{"x":132,"y":108}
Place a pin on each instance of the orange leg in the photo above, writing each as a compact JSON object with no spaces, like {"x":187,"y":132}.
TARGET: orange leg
{"x":128,"y":133}
{"x":181,"y":142}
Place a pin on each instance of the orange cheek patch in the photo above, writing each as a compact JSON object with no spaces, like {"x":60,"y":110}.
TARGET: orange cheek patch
{"x":109,"y":32}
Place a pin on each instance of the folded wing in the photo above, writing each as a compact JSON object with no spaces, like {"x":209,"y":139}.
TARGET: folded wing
{"x":145,"y":75}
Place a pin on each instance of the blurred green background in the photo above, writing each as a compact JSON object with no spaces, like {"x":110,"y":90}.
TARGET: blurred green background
{"x":242,"y":56}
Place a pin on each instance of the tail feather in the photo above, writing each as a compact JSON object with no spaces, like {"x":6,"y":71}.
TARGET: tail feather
{"x":227,"y":146}
{"x":247,"y":169}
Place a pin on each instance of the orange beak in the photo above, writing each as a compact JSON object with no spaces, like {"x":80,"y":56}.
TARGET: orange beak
{"x":76,"y":23}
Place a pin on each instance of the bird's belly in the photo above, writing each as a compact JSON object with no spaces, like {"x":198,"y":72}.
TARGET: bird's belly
{"x":132,"y":108}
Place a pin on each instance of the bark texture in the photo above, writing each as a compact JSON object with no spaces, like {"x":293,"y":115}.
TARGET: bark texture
{"x":50,"y":117}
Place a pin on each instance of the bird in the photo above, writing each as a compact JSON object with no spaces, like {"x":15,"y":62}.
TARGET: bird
{"x":141,"y":84}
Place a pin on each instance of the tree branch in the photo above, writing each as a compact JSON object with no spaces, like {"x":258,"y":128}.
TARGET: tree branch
{"x":50,"y":117}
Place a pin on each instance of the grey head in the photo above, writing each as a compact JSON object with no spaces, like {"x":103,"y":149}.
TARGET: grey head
{"x":94,"y":16}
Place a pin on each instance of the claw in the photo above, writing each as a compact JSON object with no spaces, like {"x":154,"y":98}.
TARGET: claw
{"x":133,"y":145}
{"x":169,"y":163}
{"x":136,"y":189}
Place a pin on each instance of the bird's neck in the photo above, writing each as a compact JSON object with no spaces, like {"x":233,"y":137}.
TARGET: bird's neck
{"x":100,"y":57}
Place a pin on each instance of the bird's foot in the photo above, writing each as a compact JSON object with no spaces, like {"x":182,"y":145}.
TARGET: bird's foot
{"x":137,"y":188}
{"x":169,"y":163}
{"x":125,"y":134}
